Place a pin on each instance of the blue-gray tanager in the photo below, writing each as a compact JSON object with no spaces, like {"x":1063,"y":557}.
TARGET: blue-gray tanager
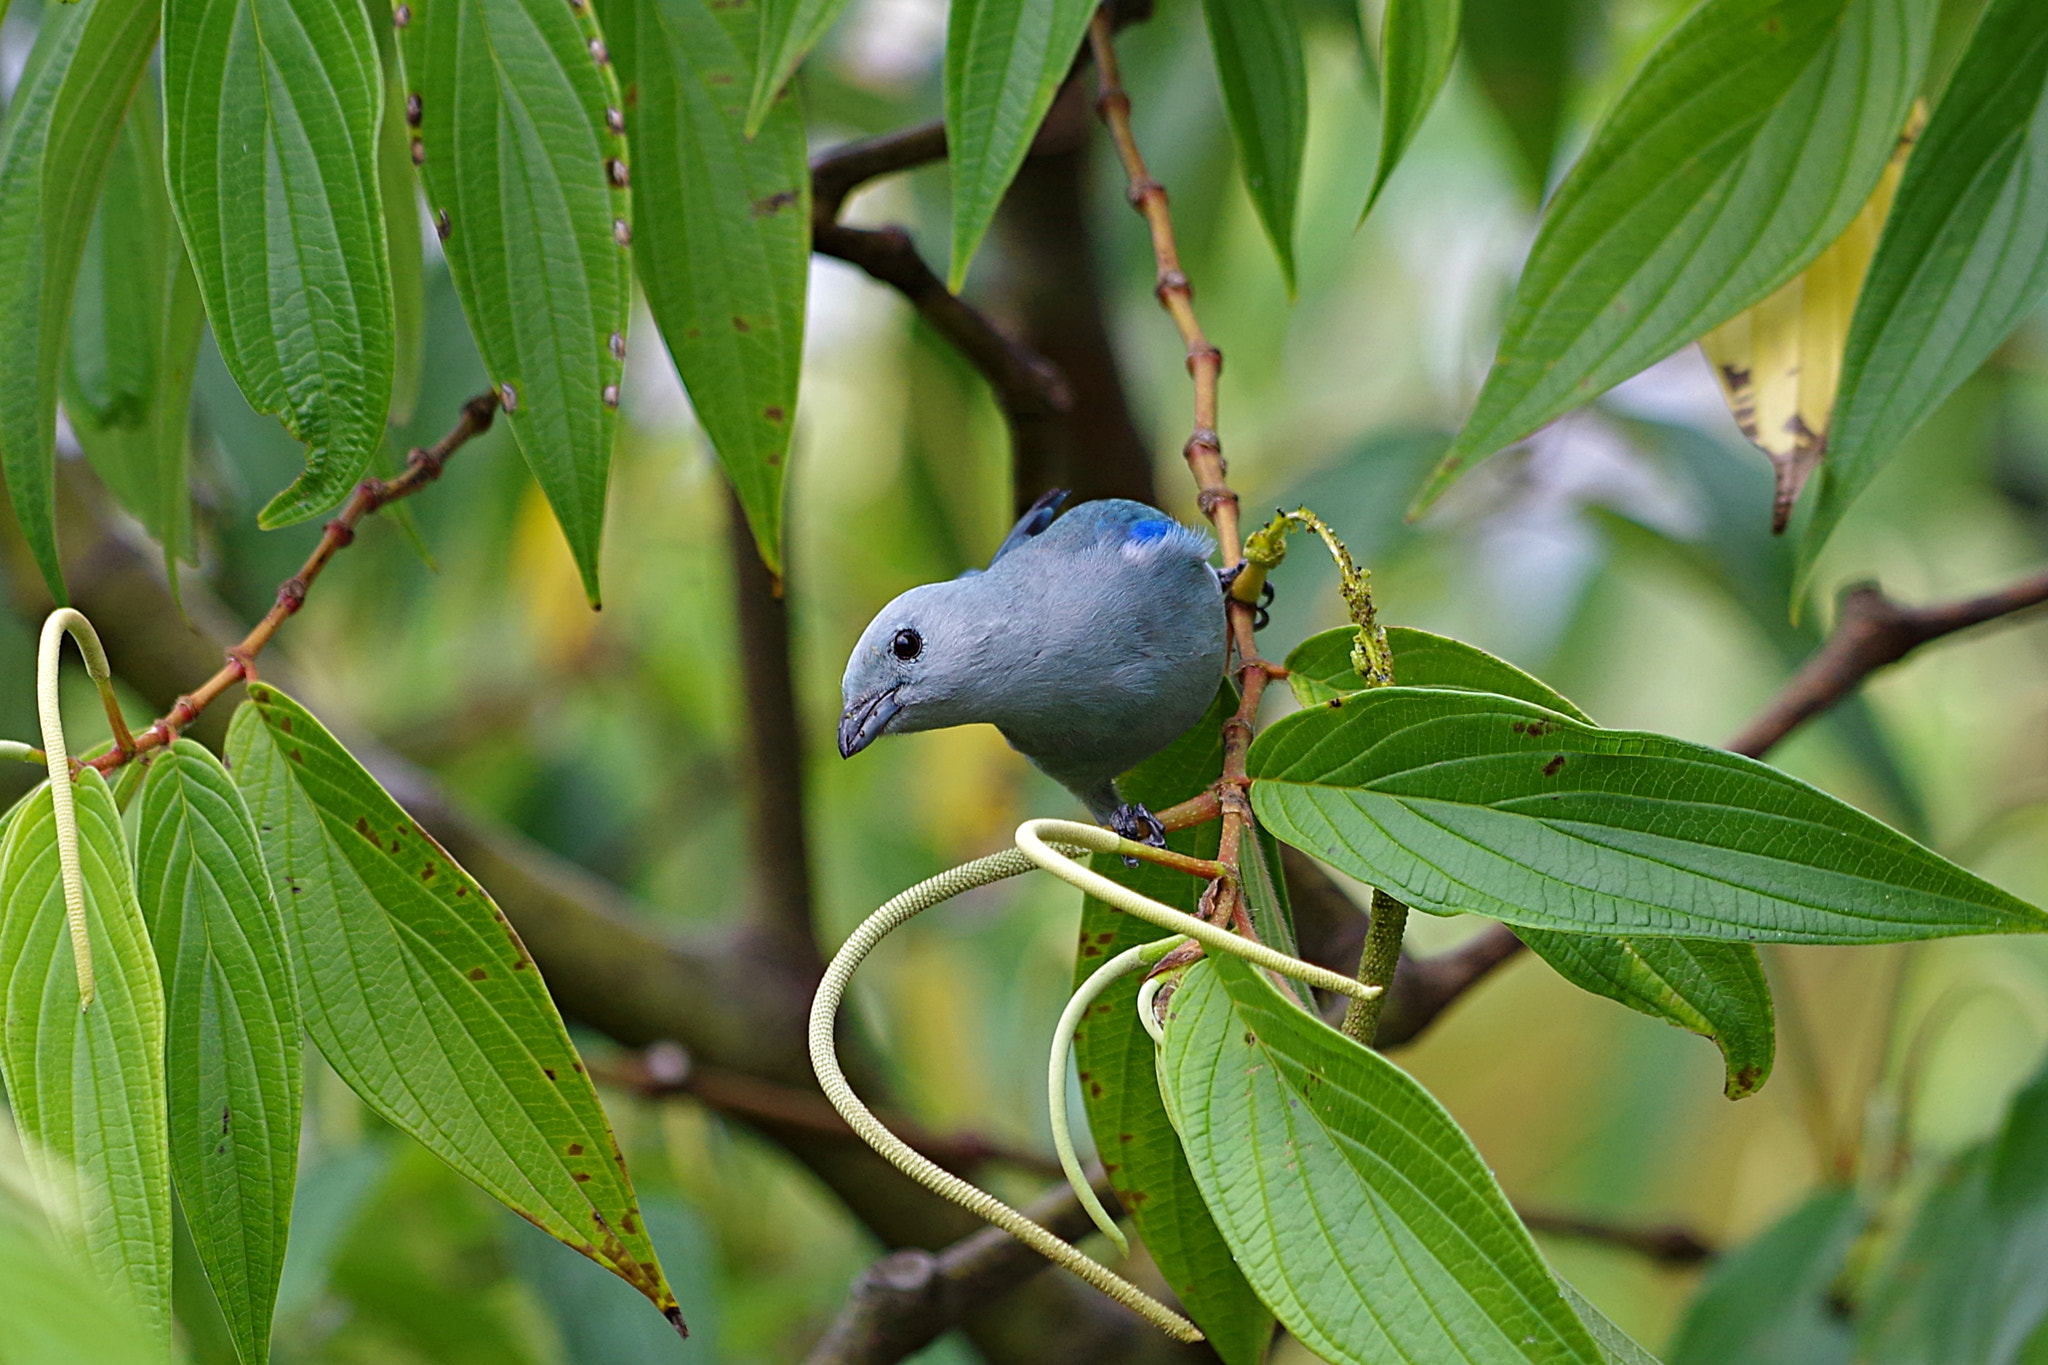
{"x":1092,"y":642}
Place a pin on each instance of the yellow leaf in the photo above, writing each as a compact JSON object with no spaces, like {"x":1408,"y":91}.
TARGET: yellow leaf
{"x":1780,"y":362}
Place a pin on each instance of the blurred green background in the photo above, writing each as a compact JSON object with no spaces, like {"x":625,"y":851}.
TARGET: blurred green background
{"x":1623,"y":556}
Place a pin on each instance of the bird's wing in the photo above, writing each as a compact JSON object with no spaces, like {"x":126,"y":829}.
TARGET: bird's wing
{"x":1036,"y":519}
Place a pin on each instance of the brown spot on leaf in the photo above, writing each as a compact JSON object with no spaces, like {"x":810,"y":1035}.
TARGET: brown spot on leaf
{"x":284,"y":723}
{"x":740,"y":325}
{"x":772,"y":414}
{"x":1534,"y":729}
{"x":774,"y":203}
{"x":575,"y":1149}
{"x":1336,"y":703}
{"x":548,"y":1071}
{"x":363,"y":827}
{"x":427,"y":872}
{"x":1551,"y":768}
{"x":1745,"y":1081}
{"x":581,"y":1177}
{"x":477,"y":974}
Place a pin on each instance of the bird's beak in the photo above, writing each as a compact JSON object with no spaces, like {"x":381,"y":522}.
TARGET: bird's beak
{"x":865,"y":720}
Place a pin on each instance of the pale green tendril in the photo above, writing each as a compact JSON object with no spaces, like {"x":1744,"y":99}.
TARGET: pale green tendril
{"x":14,"y":751}
{"x":1031,"y":838}
{"x":1148,"y":1010}
{"x":825,"y":1061}
{"x":57,"y":760}
{"x":1105,"y":976}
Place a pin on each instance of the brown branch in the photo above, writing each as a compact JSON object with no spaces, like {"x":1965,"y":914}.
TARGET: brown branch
{"x":1203,"y":452}
{"x":422,"y":467}
{"x":1032,"y":393}
{"x":1676,"y":1247}
{"x":1872,"y":633}
{"x":775,"y":768}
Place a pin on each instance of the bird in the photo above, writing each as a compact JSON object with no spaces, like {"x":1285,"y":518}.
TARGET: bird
{"x":1091,"y":642}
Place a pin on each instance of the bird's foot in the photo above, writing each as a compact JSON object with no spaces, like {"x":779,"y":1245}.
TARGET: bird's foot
{"x":1134,"y":822}
{"x":1228,"y":578}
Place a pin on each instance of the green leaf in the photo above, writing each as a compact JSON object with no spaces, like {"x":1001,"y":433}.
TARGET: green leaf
{"x":725,"y":243}
{"x":58,"y":1311}
{"x":1005,"y":60}
{"x":135,"y":326}
{"x":1963,"y":259}
{"x":525,"y":172}
{"x":789,"y":30}
{"x":1418,"y":39}
{"x":272,"y":109}
{"x":234,"y":1029}
{"x":1319,"y":669}
{"x":1616,"y":1346}
{"x":1522,"y":51}
{"x":421,"y":996}
{"x":1964,"y":1282}
{"x":1119,"y":1083}
{"x":87,"y":1086}
{"x":1257,"y":44}
{"x":1776,"y":1300}
{"x":1717,"y":990}
{"x":55,"y":142}
{"x":399,"y":189}
{"x":1464,"y":801}
{"x":1743,"y":146}
{"x":1355,"y":1204}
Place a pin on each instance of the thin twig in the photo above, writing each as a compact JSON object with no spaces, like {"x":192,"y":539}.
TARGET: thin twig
{"x":838,"y":171}
{"x":1873,"y":632}
{"x":1203,"y":452}
{"x":422,"y":467}
{"x":1666,"y":1246}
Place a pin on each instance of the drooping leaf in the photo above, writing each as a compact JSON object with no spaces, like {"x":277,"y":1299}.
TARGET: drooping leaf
{"x":234,"y":1029}
{"x":1353,"y":1202}
{"x":87,"y":1086}
{"x":60,"y":127}
{"x":1964,"y":256}
{"x":1319,"y":670}
{"x":1743,"y":146}
{"x":1465,"y":801}
{"x":725,"y":241}
{"x":1717,"y":990}
{"x":1265,"y":92}
{"x":421,"y":996}
{"x":1780,"y":361}
{"x":1777,"y":1300}
{"x":1005,"y":60}
{"x":1418,"y":39}
{"x":1119,"y":1083}
{"x":399,"y":188}
{"x":524,"y":162}
{"x":272,"y":110}
{"x":1522,"y":53}
{"x":135,"y":325}
{"x":1964,"y":1280}
{"x":789,"y":30}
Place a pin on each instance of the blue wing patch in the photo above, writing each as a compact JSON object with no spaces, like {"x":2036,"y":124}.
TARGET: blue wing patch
{"x":1145,"y":532}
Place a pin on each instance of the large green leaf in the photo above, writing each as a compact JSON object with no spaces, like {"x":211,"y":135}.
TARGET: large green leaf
{"x":1744,"y":146}
{"x":1776,"y":1300}
{"x":1717,"y":990}
{"x":87,"y":1085}
{"x":1963,"y":259}
{"x":1964,"y":1281}
{"x":521,"y":132}
{"x":1418,"y":39}
{"x":1119,"y":1082}
{"x":1463,"y":801}
{"x":234,"y":1029}
{"x":725,"y":240}
{"x":1265,"y":91}
{"x":1005,"y":60}
{"x":60,"y":129}
{"x":421,"y":996}
{"x":1353,"y":1202}
{"x":789,"y":30}
{"x":272,"y":110}
{"x":135,"y":325}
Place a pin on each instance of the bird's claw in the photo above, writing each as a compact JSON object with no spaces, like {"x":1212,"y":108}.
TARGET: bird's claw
{"x":1134,"y":822}
{"x":1228,"y":578}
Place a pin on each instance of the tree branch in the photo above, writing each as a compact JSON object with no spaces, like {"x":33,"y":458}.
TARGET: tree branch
{"x":1676,"y":1247}
{"x":1874,"y":632}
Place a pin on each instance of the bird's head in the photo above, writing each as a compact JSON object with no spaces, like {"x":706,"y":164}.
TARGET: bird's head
{"x":916,"y":666}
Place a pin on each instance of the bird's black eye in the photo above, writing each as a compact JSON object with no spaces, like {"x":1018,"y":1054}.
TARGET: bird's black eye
{"x":907,"y":645}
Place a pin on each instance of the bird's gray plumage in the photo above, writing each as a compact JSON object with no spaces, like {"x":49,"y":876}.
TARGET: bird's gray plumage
{"x":1091,"y":641}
